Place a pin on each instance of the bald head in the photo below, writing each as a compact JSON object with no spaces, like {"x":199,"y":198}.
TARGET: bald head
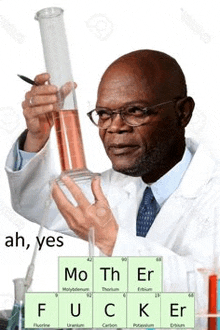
{"x":157,"y":73}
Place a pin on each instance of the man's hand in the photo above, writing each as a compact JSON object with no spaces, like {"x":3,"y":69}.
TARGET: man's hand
{"x":80,"y":218}
{"x":38,"y":105}
{"x":37,"y":109}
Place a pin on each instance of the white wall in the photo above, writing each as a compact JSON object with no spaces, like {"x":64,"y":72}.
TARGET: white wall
{"x":98,"y":32}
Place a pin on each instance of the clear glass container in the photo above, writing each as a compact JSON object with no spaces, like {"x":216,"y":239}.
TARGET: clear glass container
{"x":16,"y":320}
{"x":66,"y":119}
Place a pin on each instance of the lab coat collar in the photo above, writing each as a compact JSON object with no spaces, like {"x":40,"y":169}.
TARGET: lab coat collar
{"x":121,"y":189}
{"x":164,"y":187}
{"x":199,"y":172}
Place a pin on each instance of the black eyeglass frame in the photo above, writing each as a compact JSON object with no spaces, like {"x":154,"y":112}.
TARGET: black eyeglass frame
{"x":122,"y":109}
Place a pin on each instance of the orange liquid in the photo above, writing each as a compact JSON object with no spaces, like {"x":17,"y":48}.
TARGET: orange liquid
{"x":69,"y":140}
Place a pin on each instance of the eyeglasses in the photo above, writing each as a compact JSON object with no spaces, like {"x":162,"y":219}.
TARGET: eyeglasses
{"x":132,"y":115}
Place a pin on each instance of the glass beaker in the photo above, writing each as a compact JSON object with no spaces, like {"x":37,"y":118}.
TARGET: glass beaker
{"x":66,"y":119}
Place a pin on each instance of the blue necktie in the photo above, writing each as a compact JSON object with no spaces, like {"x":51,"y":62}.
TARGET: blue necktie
{"x":146,"y":213}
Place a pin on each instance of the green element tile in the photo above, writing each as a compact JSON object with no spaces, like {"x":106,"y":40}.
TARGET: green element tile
{"x":145,"y":274}
{"x":41,"y":310}
{"x":177,"y":310}
{"x":109,"y":310}
{"x":110,"y":274}
{"x":143,"y":310}
{"x":75,"y":310}
{"x":75,"y":274}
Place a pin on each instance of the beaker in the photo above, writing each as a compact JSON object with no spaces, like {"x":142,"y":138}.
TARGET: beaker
{"x":66,"y":119}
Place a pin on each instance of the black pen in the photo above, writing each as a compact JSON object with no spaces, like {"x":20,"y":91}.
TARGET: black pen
{"x":28,"y":80}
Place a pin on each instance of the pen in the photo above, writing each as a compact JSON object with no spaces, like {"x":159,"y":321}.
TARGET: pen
{"x":28,"y":80}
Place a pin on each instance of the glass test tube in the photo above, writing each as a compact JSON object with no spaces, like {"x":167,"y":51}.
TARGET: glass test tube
{"x":212,"y":301}
{"x":66,"y":120}
{"x":16,"y":320}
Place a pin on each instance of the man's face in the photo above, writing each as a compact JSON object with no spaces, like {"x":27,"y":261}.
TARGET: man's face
{"x":142,"y":150}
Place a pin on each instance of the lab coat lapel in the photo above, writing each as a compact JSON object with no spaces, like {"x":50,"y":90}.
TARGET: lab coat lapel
{"x":177,"y":207}
{"x":125,"y":194}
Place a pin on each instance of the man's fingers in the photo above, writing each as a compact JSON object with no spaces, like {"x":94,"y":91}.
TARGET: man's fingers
{"x":33,"y":112}
{"x":76,"y":192}
{"x":59,"y":197}
{"x":43,"y":99}
{"x":65,"y":206}
{"x":44,"y":90}
{"x":103,"y":211}
{"x":66,"y":89}
{"x":97,"y":190}
{"x":42,"y":78}
{"x":63,"y":203}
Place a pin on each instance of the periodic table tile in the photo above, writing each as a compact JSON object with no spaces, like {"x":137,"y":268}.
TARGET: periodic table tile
{"x":41,"y":310}
{"x":177,"y":310}
{"x":143,"y":310}
{"x":109,"y":310}
{"x":144,"y":274}
{"x":110,"y":274}
{"x":75,"y":310}
{"x":75,"y":274}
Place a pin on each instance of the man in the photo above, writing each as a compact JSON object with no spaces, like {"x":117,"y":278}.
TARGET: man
{"x":142,"y":110}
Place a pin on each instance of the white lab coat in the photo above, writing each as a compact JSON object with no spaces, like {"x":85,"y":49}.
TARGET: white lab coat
{"x":183,"y":231}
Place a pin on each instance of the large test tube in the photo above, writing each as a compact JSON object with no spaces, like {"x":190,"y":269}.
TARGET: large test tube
{"x":66,"y":119}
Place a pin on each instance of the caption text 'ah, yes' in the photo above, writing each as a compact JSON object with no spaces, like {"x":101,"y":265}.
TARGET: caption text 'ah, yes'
{"x":19,"y":241}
